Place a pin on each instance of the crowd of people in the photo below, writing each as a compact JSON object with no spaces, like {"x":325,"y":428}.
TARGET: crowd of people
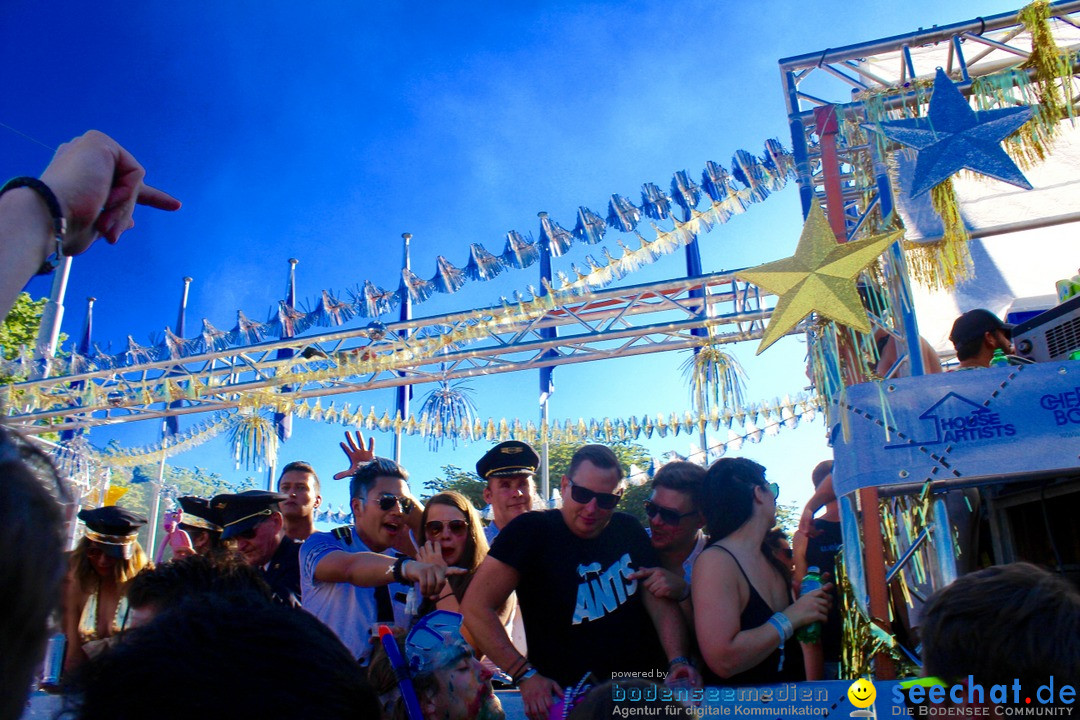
{"x":413,"y":609}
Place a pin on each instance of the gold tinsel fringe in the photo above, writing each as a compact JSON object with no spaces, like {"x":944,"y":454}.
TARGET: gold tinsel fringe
{"x":942,"y":264}
{"x":1046,"y":59}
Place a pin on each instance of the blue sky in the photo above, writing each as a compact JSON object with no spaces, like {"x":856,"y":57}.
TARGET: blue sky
{"x":324,"y":131}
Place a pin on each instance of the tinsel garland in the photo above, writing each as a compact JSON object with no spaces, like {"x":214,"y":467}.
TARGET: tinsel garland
{"x":716,"y":379}
{"x":943,"y":263}
{"x":248,"y":433}
{"x":254,"y":440}
{"x":1047,"y":61}
{"x":759,"y":178}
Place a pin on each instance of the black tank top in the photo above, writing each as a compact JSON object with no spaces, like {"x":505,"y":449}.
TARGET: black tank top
{"x":756,"y":613}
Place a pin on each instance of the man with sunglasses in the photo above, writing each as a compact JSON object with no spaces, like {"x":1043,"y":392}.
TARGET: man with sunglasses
{"x":571,"y":569}
{"x":253,"y":520}
{"x":351,"y":578}
{"x":675,"y":529}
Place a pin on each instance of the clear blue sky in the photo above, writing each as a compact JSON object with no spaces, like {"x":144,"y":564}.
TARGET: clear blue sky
{"x":324,"y":131}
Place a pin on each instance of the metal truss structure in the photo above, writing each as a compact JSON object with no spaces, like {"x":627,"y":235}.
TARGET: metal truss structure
{"x":620,"y":322}
{"x":852,"y":184}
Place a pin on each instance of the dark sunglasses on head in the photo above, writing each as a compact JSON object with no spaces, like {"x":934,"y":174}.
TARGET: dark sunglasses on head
{"x":583,"y":495}
{"x":667,"y":515}
{"x":389,"y":500}
{"x":435,"y":527}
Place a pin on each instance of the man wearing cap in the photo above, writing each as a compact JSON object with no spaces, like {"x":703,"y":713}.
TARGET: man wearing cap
{"x":253,"y":520}
{"x":300,"y":485}
{"x":347,"y":580}
{"x":202,"y":524}
{"x":508,"y":469}
{"x":571,"y":569}
{"x":976,"y":335}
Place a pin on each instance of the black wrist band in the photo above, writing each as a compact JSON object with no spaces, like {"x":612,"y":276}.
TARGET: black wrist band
{"x":59,"y":224}
{"x":399,"y":577}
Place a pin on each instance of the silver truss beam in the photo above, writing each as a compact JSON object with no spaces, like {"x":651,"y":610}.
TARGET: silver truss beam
{"x":622,"y":322}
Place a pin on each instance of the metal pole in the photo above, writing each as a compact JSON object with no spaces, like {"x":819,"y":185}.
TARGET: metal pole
{"x":155,"y":502}
{"x":406,"y":316}
{"x":53,"y":314}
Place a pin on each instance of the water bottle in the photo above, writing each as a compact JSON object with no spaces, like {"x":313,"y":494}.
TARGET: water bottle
{"x":810,"y":633}
{"x":999,"y":359}
{"x":54,"y":660}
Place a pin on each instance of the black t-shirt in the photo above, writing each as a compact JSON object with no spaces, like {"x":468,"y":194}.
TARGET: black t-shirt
{"x":581,"y":613}
{"x":821,"y":553}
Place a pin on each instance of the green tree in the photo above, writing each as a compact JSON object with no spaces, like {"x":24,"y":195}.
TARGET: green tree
{"x":20,"y":328}
{"x":462,"y":481}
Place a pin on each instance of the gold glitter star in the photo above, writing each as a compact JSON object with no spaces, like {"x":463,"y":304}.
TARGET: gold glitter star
{"x":819,"y":277}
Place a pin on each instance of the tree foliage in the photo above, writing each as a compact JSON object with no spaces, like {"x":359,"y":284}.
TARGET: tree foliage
{"x":20,"y":328}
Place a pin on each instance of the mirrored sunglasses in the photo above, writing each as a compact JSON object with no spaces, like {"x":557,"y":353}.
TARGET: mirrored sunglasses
{"x":604,"y":501}
{"x":435,"y":527}
{"x":667,"y":515}
{"x":389,"y":500}
{"x":774,"y":488}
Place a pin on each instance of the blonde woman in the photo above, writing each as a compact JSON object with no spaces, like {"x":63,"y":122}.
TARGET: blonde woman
{"x":95,"y":603}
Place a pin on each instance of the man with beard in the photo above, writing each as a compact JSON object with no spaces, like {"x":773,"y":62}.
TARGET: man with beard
{"x":440,"y":673}
{"x":253,"y":519}
{"x":300,"y":486}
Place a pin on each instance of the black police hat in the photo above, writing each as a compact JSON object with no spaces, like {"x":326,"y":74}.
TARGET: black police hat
{"x":243,"y":511}
{"x":196,"y":513}
{"x":512,"y":457}
{"x":113,"y":528}
{"x":974,"y":324}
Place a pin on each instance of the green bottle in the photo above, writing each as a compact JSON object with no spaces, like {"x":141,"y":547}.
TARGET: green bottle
{"x":812,"y":581}
{"x":999,"y":359}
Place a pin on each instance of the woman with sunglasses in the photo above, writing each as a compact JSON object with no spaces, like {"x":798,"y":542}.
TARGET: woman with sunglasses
{"x":744,"y":611}
{"x":451,"y":534}
{"x":102,"y":565}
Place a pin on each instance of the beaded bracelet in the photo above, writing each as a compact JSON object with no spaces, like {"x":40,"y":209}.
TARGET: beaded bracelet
{"x":59,"y":223}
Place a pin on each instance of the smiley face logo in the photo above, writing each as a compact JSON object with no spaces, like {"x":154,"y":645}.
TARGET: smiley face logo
{"x":862,"y":693}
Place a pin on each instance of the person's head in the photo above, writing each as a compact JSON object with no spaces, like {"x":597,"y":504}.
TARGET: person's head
{"x":380,"y":501}
{"x":202,"y":524}
{"x":155,"y":590}
{"x":228,"y":659}
{"x":299,"y":483}
{"x":733,"y":493}
{"x":31,"y":561}
{"x":451,"y":520}
{"x":1002,"y":624}
{"x":109,"y":550}
{"x":591,"y":489}
{"x":821,"y":471}
{"x":508,"y":469}
{"x":673,"y":517}
{"x":780,"y":546}
{"x":977,"y":333}
{"x":450,"y":684}
{"x":253,"y":520}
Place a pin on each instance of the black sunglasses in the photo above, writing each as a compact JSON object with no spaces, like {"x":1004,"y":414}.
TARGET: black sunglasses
{"x":389,"y":500}
{"x":604,"y":501}
{"x":435,"y":527}
{"x":667,"y":515}
{"x":248,"y":534}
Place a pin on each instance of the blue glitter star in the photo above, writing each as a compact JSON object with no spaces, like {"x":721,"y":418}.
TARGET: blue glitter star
{"x":953,"y":136}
